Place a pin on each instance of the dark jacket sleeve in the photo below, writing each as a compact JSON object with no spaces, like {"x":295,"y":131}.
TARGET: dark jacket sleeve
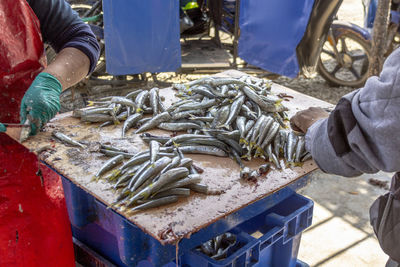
{"x":362,"y":134}
{"x":61,"y":27}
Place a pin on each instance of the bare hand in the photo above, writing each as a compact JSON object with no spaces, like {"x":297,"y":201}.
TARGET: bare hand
{"x":305,"y":118}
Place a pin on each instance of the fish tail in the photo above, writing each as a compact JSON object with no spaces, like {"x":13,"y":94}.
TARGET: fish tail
{"x":298,"y":164}
{"x":114,"y":175}
{"x":243,"y":141}
{"x":175,"y":144}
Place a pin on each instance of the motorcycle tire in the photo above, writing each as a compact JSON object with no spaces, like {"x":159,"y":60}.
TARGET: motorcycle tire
{"x":349,"y":76}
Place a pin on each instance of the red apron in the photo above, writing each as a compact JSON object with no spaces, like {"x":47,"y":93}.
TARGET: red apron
{"x":34,"y":225}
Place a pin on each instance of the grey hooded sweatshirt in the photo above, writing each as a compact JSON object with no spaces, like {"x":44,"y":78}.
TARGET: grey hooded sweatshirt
{"x":362,"y":135}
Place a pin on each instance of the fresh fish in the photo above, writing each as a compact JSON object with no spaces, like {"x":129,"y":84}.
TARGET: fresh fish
{"x":191,"y":179}
{"x":277,"y":144}
{"x":151,"y":172}
{"x":300,"y":147}
{"x":113,"y":153}
{"x":291,"y":145}
{"x":66,"y":139}
{"x":207,"y":150}
{"x":177,"y":104}
{"x":196,"y":105}
{"x":104,"y":146}
{"x":154,"y":122}
{"x":248,"y":113}
{"x":102,"y":110}
{"x":202,"y":90}
{"x":165,"y":178}
{"x":130,"y":122}
{"x":138,"y":173}
{"x":205,"y":141}
{"x":257,"y":127}
{"x":96,"y":118}
{"x":173,"y":192}
{"x":307,"y":156}
{"x":174,"y":164}
{"x":154,"y":150}
{"x":221,"y":116}
{"x":267,"y":107}
{"x":265,"y":130}
{"x":161,"y":107}
{"x":231,"y":142}
{"x":178,"y":126}
{"x":234,"y":111}
{"x":111,"y":163}
{"x":140,"y":99}
{"x":148,"y":137}
{"x":247,"y":128}
{"x":200,"y":188}
{"x":271,"y":135}
{"x":123,"y":101}
{"x":241,"y":124}
{"x":133,"y":94}
{"x":186,"y":162}
{"x":122,"y":116}
{"x":156,"y":203}
{"x":187,"y":114}
{"x":203,"y":119}
{"x":272,"y":157}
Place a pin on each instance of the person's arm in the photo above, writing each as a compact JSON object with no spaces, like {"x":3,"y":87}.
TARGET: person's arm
{"x":362,"y":134}
{"x":78,"y":53}
{"x":62,"y":28}
{"x":69,"y":67}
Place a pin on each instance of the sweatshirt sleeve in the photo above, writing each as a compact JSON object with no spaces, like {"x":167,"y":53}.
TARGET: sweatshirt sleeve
{"x":61,"y":27}
{"x":362,"y":134}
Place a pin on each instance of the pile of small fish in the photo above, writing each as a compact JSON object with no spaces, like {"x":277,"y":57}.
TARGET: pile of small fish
{"x":239,"y":118}
{"x":150,"y":178}
{"x":217,"y":248}
{"x":130,"y":109}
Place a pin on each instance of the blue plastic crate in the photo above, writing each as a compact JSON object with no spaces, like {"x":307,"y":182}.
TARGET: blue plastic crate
{"x":124,"y":244}
{"x":278,"y":230}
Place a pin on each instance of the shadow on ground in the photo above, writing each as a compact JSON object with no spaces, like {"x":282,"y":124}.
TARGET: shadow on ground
{"x":341,"y":234}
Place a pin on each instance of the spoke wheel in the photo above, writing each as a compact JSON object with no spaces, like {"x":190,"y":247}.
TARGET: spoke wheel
{"x":349,"y":66}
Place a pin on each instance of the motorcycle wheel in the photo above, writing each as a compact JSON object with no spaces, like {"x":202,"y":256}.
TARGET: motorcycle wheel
{"x":356,"y":56}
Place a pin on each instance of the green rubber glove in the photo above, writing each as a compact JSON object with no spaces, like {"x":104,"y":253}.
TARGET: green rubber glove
{"x":2,"y":128}
{"x":41,"y":101}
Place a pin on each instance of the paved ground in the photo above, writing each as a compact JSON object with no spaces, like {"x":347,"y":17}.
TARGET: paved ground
{"x":341,"y":234}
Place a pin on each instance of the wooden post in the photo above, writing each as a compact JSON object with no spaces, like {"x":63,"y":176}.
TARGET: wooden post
{"x":379,"y":41}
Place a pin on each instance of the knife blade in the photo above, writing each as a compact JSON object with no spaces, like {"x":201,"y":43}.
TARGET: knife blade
{"x":16,"y":125}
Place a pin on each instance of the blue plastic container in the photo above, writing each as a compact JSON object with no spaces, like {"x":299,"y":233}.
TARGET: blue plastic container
{"x":279,"y":218}
{"x":278,"y":230}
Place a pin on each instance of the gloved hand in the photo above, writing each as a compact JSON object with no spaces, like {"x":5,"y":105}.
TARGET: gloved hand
{"x":305,"y":118}
{"x":41,"y":101}
{"x":2,"y":128}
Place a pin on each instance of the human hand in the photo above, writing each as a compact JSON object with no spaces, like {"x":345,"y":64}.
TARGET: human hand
{"x":305,"y":118}
{"x":3,"y":128}
{"x":41,"y":101}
